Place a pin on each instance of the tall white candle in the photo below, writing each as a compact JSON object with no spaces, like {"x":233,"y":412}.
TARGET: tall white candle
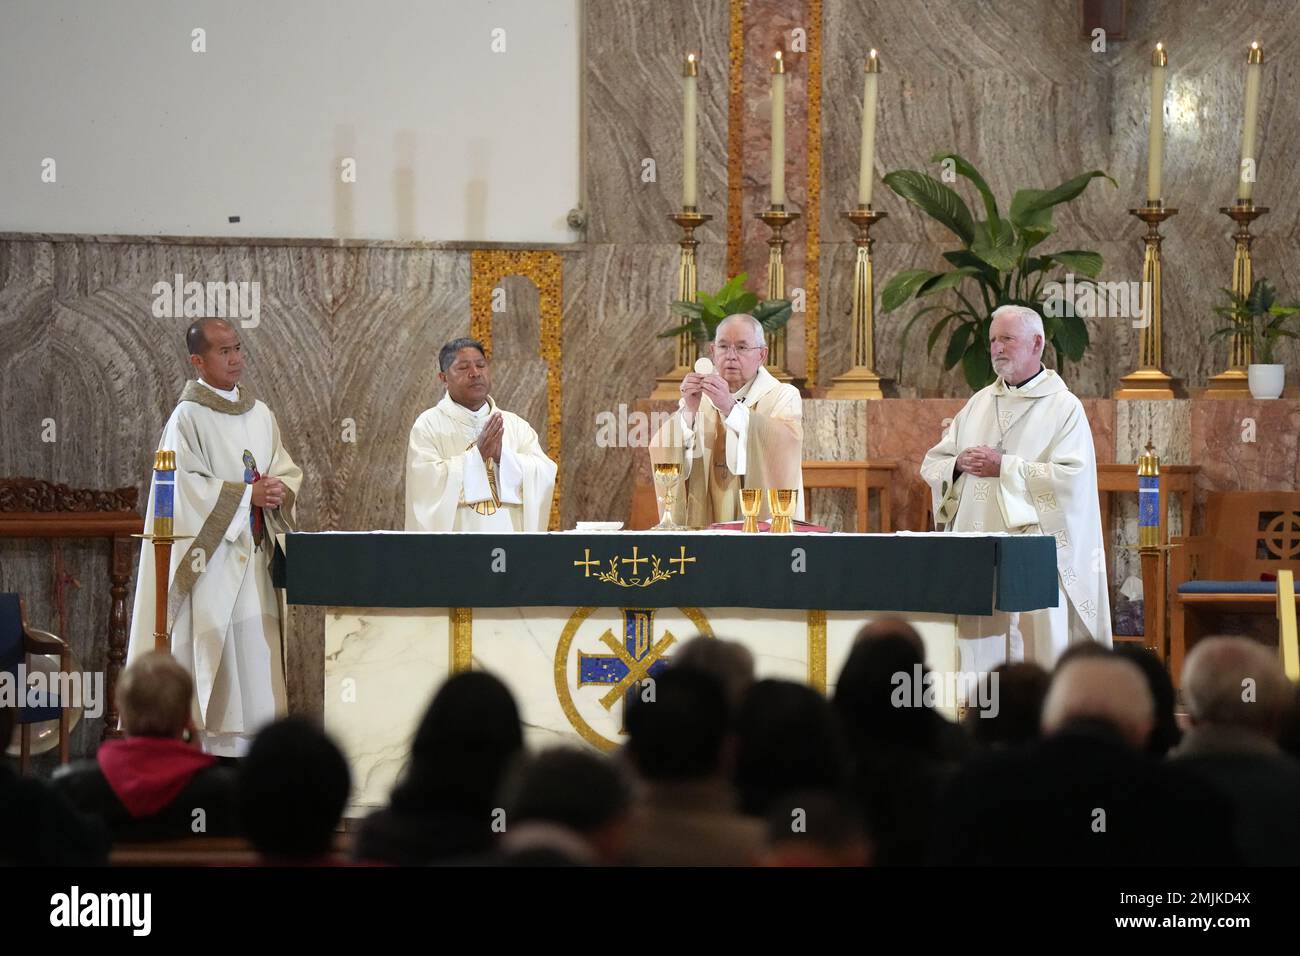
{"x":1247,"y":169}
{"x":1156,"y":137}
{"x":867,"y":160}
{"x":689,"y":72}
{"x":778,"y":129}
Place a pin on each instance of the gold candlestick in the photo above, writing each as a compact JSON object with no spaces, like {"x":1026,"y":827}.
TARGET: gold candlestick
{"x":777,"y":219}
{"x":1231,"y":383}
{"x":667,"y":385}
{"x":861,"y":380}
{"x":1150,"y":381}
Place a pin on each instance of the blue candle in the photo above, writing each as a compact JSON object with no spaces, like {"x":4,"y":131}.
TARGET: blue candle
{"x":164,"y":491}
{"x":1149,"y":499}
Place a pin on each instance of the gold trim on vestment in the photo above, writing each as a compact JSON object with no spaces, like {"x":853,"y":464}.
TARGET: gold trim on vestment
{"x":205,"y":542}
{"x":200,"y":394}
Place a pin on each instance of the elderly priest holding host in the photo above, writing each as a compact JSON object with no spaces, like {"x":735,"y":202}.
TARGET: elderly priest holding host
{"x":470,"y":465}
{"x":1019,"y":458}
{"x":235,"y":490}
{"x":736,"y":427}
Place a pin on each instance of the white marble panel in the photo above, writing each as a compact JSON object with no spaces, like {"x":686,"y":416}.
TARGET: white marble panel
{"x":382,"y":667}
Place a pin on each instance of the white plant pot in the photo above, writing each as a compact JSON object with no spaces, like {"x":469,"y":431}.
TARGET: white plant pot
{"x":1266,"y":381}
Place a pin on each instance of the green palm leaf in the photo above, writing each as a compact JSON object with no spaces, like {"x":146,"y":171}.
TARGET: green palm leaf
{"x":935,"y":200}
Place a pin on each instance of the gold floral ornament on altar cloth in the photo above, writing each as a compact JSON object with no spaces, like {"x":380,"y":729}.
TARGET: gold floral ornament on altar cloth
{"x":638,"y":579}
{"x":487,"y":267}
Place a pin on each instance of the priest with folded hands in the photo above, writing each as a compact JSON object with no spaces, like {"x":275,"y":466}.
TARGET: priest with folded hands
{"x":470,"y":465}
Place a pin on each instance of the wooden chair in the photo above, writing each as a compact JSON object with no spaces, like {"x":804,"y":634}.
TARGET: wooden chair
{"x":1250,"y":536}
{"x":18,"y":642}
{"x":861,"y":477}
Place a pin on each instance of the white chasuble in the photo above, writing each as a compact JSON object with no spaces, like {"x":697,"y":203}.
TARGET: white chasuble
{"x":1047,"y":485}
{"x":759,"y":444}
{"x":224,"y":615}
{"x":449,"y":486}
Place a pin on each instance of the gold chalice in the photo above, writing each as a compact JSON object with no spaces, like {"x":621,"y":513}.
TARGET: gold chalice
{"x":782,"y":502}
{"x":751,"y":499}
{"x":667,"y":478}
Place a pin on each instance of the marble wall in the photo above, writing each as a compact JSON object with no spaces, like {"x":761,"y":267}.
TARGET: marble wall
{"x":1013,"y":87}
{"x":350,"y":330}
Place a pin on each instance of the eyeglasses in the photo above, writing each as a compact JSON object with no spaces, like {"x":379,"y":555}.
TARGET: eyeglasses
{"x":741,"y":350}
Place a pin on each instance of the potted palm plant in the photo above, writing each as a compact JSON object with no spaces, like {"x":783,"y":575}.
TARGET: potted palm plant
{"x":992,"y":267}
{"x":704,"y":315}
{"x":1257,"y":316}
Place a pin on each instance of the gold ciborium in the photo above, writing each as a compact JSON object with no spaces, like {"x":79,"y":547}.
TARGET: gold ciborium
{"x":667,"y":478}
{"x":751,"y":500}
{"x":782,"y":502}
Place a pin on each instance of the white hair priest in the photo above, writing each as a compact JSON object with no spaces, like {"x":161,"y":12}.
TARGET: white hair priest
{"x":235,"y":490}
{"x":470,"y":465}
{"x":736,"y":427}
{"x":1019,"y":458}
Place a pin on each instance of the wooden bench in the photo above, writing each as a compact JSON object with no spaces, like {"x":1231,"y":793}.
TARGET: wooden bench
{"x":1248,"y":535}
{"x":204,"y":851}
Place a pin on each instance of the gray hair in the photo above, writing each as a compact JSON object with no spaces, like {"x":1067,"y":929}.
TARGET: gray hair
{"x":447,"y":354}
{"x":755,"y":326}
{"x":1029,"y":319}
{"x":1235,"y":682}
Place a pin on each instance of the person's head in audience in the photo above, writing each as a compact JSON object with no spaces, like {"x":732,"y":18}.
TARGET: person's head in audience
{"x":1165,"y":734}
{"x":1235,"y":683}
{"x":1100,"y":690}
{"x":680,"y":735}
{"x":1086,"y":648}
{"x":155,"y":697}
{"x":293,"y":786}
{"x":1013,"y":714}
{"x":581,"y":793}
{"x":883,"y":654}
{"x":814,"y":828}
{"x":787,"y":739}
{"x":729,"y":661}
{"x":467,"y":738}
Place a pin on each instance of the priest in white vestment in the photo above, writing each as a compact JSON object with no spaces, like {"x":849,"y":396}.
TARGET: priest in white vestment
{"x":1019,"y":458}
{"x":470,"y":465}
{"x":235,"y":491}
{"x":735,"y":427}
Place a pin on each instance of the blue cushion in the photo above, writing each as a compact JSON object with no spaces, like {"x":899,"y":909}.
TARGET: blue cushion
{"x":1230,"y":587}
{"x":12,"y":654}
{"x":11,"y":632}
{"x":34,"y":715}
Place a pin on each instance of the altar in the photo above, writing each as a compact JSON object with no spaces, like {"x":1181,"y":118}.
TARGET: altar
{"x":575,"y":622}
